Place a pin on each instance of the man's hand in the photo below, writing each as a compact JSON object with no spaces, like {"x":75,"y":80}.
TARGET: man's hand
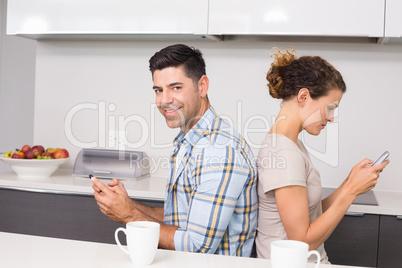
{"x":113,"y":201}
{"x":117,"y":183}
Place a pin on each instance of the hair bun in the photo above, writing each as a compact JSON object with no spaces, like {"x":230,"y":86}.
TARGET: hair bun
{"x":275,"y":80}
{"x":274,"y":84}
{"x":288,"y":74}
{"x":283,"y":59}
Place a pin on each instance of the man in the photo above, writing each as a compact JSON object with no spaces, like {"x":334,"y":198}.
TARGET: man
{"x":211,"y":201}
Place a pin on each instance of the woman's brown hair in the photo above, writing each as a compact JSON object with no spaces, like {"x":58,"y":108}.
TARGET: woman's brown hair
{"x":289,"y":74}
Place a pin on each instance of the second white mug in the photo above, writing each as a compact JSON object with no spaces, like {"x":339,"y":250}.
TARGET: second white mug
{"x":142,"y":241}
{"x":290,"y":253}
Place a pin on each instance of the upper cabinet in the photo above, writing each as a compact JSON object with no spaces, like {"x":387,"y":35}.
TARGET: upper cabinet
{"x":358,"y":18}
{"x":107,"y":17}
{"x":197,"y":19}
{"x":393,"y":22}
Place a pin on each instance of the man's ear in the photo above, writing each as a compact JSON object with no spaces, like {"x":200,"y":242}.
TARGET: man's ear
{"x":203,"y":85}
{"x":303,"y":96}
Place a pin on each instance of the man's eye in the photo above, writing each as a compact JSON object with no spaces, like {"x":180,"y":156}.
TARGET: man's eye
{"x":176,"y":88}
{"x":157,"y":91}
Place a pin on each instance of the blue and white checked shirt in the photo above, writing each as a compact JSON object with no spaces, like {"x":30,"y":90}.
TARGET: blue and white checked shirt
{"x":211,"y":196}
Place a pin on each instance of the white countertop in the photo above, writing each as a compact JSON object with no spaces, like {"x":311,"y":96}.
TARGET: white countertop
{"x":153,"y":188}
{"x":389,"y":203}
{"x":18,"y":250}
{"x":62,"y":181}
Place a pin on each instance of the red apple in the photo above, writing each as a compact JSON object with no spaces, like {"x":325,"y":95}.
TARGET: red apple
{"x":62,"y":153}
{"x":25,"y":148}
{"x":38,"y":150}
{"x":16,"y":156}
{"x":47,"y":154}
{"x":29,"y":154}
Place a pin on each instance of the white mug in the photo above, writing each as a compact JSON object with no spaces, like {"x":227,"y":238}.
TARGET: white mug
{"x":142,"y":241}
{"x":290,"y":253}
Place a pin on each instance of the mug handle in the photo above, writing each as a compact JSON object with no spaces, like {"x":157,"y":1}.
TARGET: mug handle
{"x":116,"y":237}
{"x":315,"y":252}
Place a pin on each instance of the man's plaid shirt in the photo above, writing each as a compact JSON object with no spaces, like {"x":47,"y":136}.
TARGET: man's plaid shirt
{"x":211,"y":196}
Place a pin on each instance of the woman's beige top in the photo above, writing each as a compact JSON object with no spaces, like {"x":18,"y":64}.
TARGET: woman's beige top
{"x":282,"y":163}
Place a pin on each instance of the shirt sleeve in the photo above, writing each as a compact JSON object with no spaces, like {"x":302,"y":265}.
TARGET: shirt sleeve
{"x":220,"y":176}
{"x":282,"y":168}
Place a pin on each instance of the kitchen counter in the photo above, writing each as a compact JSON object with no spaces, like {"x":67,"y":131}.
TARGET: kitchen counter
{"x":18,"y":250}
{"x":33,"y":208}
{"x":153,"y":188}
{"x":389,"y":203}
{"x":63,"y":182}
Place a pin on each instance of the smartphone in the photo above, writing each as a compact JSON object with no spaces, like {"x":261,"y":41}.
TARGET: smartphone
{"x":381,"y":159}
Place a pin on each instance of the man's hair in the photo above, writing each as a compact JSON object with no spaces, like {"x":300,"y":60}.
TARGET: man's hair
{"x":179,"y":55}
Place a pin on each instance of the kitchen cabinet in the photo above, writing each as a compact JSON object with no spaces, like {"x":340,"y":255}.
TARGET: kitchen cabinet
{"x":359,"y":18}
{"x":390,"y":241}
{"x":393,"y":23}
{"x":135,"y":19}
{"x":366,"y":240}
{"x":43,"y":18}
{"x":393,"y":19}
{"x":68,"y":216}
{"x":354,"y":241}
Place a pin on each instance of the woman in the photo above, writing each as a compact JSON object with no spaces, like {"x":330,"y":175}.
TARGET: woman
{"x":290,"y":205}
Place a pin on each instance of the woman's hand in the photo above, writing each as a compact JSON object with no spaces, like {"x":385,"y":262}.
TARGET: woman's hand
{"x":363,"y":177}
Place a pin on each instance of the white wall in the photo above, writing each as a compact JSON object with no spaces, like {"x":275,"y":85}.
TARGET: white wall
{"x":73,"y":74}
{"x":17,"y":76}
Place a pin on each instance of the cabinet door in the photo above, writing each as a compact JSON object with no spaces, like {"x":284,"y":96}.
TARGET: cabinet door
{"x":393,"y":19}
{"x":294,"y":17}
{"x":57,"y":215}
{"x":107,"y":17}
{"x":390,"y":242}
{"x":354,"y":241}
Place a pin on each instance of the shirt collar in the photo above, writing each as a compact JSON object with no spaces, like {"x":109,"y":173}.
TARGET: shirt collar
{"x":196,"y":132}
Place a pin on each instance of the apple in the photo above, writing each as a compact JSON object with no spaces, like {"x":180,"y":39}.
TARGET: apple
{"x":38,"y":150}
{"x":48,"y":154}
{"x":8,"y":154}
{"x":16,"y":156}
{"x":25,"y":148}
{"x":29,"y":154}
{"x":62,"y":153}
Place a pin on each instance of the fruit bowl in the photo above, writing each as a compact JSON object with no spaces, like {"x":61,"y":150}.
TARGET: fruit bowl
{"x":34,"y":168}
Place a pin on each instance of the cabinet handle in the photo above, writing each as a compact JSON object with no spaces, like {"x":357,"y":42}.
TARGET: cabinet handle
{"x":102,"y":172}
{"x":354,"y":214}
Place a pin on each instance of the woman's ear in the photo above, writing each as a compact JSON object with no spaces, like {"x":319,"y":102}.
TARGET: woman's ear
{"x":303,"y":96}
{"x":203,"y":85}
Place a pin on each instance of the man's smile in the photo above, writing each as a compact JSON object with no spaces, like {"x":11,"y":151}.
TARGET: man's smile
{"x":171,"y":111}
